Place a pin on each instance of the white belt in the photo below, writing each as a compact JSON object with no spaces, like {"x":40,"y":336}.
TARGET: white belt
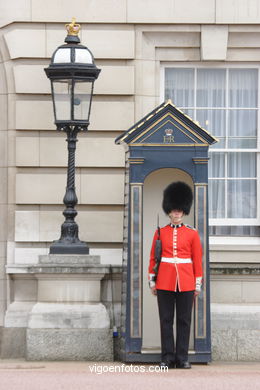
{"x":175,"y":260}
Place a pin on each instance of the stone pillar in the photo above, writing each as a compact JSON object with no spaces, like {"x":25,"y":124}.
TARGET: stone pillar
{"x":68,"y":321}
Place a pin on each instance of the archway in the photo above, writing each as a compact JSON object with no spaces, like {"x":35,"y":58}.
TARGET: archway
{"x":154,"y":185}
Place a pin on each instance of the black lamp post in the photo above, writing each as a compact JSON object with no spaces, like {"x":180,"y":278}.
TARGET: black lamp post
{"x":72,"y":72}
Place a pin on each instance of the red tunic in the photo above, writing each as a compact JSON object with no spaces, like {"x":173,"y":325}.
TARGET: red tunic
{"x":181,"y":258}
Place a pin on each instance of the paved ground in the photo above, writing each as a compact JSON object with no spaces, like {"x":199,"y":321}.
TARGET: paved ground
{"x":21,"y":375}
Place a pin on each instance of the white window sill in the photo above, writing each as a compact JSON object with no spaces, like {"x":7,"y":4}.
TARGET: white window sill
{"x":235,"y":243}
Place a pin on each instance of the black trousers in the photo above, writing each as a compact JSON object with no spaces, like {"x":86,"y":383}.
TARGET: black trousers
{"x":166,"y":304}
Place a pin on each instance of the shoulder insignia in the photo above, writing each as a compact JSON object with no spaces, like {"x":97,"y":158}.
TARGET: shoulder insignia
{"x":190,"y":227}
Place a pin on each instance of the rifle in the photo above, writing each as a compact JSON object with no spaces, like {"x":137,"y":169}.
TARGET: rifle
{"x":157,"y":250}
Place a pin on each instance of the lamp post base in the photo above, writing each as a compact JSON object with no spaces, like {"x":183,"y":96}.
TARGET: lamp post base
{"x":65,"y":248}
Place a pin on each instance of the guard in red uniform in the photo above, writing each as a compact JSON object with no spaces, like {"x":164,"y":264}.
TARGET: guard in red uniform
{"x":179,"y":276}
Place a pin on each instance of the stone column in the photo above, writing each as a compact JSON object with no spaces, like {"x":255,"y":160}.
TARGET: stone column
{"x":68,"y":321}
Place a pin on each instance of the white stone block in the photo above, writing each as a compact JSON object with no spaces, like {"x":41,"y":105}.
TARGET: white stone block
{"x":101,"y":226}
{"x":102,"y":188}
{"x":2,"y":249}
{"x":243,"y":39}
{"x":15,"y":10}
{"x":163,"y":38}
{"x":43,"y":188}
{"x":145,"y":78}
{"x":27,"y":225}
{"x":106,"y":11}
{"x":10,"y":252}
{"x":219,"y":291}
{"x":115,"y":80}
{"x":53,"y":150}
{"x":17,"y":314}
{"x":62,"y":316}
{"x":214,"y":43}
{"x":68,"y":289}
{"x":55,"y":35}
{"x":177,"y":54}
{"x":50,"y":225}
{"x":107,"y":255}
{"x":26,"y":42}
{"x":3,"y":187}
{"x":168,"y":11}
{"x":105,"y":115}
{"x":31,"y":79}
{"x":145,"y":104}
{"x":29,"y":255}
{"x":92,"y":151}
{"x":25,"y":289}
{"x":3,"y":97}
{"x":2,"y":314}
{"x":249,"y":54}
{"x":110,"y":43}
{"x":34,"y":115}
{"x":111,"y":115}
{"x":239,"y":11}
{"x":94,"y":226}
{"x":100,"y":151}
{"x":235,"y":316}
{"x":249,"y":290}
{"x":27,"y":151}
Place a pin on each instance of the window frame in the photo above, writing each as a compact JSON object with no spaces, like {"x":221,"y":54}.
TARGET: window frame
{"x":231,"y":65}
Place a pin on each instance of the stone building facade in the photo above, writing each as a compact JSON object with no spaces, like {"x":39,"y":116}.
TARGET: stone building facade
{"x":133,"y":42}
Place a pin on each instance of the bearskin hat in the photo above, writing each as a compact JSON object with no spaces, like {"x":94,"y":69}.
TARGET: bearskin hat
{"x":177,"y":196}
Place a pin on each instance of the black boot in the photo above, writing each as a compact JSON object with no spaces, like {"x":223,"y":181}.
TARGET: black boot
{"x":183,"y":365}
{"x":167,"y":364}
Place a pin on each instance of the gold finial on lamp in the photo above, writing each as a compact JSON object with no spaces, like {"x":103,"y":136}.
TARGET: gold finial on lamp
{"x":73,"y":28}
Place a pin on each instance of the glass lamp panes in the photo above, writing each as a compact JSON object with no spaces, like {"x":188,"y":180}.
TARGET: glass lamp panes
{"x":82,"y":100}
{"x":62,"y":55}
{"x":72,"y":99}
{"x":62,"y":90}
{"x":83,"y":56}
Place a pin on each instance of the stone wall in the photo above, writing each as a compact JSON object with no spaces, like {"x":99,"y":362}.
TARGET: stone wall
{"x":130,"y":40}
{"x":235,"y":311}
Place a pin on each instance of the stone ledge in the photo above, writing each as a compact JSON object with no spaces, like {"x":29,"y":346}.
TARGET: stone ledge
{"x":60,"y":269}
{"x":69,"y":259}
{"x":60,"y":315}
{"x":232,"y":248}
{"x":236,"y":316}
{"x":235,"y":269}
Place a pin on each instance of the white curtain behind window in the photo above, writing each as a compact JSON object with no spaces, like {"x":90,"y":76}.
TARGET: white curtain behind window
{"x":211,"y":85}
{"x":179,"y":86}
{"x":225,"y":103}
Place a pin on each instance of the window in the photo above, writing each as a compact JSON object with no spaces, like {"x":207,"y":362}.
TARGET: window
{"x":225,"y":102}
